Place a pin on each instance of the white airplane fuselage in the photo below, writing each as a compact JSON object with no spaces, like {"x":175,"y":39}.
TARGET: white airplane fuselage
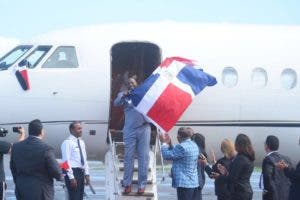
{"x":257,"y":105}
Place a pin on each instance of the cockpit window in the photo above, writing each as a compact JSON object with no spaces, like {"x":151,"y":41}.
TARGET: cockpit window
{"x":36,"y":56}
{"x":10,"y":58}
{"x":63,"y":57}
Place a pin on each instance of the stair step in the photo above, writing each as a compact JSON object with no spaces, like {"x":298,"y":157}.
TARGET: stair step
{"x":149,"y":182}
{"x":146,"y":194}
{"x":121,"y":156}
{"x":133,"y":194}
{"x":134,"y":169}
{"x":135,"y":176}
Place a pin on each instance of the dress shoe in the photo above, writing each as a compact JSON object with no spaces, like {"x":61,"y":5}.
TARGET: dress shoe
{"x":141,"y":191}
{"x":127,"y":189}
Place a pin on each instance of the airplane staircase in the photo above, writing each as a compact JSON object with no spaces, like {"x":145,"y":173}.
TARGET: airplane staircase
{"x":114,"y":170}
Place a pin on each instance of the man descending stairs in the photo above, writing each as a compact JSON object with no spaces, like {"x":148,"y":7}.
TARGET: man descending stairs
{"x":114,"y":165}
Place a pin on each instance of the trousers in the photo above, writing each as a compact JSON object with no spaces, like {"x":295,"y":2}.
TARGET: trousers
{"x":138,"y":141}
{"x":76,"y":193}
{"x":186,"y":193}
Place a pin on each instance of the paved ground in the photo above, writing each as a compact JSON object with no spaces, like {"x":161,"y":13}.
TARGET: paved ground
{"x":98,"y":181}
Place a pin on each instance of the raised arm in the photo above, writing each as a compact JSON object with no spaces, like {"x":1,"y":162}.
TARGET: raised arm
{"x":119,"y":101}
{"x":13,"y":166}
{"x":172,"y":153}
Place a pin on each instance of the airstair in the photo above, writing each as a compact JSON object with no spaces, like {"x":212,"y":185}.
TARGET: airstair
{"x":114,"y":169}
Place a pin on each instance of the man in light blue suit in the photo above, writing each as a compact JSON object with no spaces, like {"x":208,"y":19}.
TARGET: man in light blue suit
{"x":136,"y":135}
{"x":185,"y":157}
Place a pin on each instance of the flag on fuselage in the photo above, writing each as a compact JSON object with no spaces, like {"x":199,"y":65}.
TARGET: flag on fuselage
{"x":165,"y":95}
{"x":23,"y":78}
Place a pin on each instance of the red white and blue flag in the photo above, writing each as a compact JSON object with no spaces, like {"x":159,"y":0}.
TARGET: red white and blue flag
{"x":165,"y":95}
{"x":23,"y":78}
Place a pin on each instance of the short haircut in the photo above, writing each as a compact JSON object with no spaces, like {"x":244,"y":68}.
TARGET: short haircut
{"x":72,"y":125}
{"x":272,"y":142}
{"x":184,"y":132}
{"x":35,"y":127}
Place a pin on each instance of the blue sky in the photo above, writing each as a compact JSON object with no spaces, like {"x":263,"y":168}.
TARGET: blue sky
{"x":25,"y":19}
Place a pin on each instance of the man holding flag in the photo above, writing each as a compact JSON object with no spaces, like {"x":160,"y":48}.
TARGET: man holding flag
{"x":162,"y":99}
{"x":136,"y":135}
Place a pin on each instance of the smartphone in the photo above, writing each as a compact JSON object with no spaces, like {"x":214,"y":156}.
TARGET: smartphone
{"x":16,"y":129}
{"x":201,"y":156}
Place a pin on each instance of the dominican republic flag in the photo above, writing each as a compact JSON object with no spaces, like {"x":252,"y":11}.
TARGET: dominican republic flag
{"x":165,"y":95}
{"x":22,"y":76}
{"x":64,"y":166}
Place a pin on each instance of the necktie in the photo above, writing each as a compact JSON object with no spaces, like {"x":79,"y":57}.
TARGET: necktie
{"x":81,"y":155}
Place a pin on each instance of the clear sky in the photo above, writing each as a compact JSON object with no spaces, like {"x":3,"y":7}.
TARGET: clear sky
{"x":23,"y":19}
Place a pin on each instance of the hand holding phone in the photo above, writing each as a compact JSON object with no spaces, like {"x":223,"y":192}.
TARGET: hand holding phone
{"x":16,"y":129}
{"x":214,"y":175}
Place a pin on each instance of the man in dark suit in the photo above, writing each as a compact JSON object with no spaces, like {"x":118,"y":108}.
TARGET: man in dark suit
{"x":33,"y":166}
{"x":276,"y":184}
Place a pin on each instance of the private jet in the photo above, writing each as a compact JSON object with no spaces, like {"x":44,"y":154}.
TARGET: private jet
{"x":75,"y":74}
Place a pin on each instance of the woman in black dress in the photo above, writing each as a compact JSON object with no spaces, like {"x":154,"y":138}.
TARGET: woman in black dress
{"x":221,"y":186}
{"x":240,"y":170}
{"x":199,"y":139}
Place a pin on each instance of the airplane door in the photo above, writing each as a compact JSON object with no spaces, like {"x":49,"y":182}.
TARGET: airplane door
{"x":128,"y":59}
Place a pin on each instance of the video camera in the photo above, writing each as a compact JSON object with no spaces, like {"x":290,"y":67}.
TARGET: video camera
{"x":3,"y":131}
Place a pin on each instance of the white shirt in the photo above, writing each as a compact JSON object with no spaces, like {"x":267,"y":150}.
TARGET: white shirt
{"x":71,"y":153}
{"x":271,"y":152}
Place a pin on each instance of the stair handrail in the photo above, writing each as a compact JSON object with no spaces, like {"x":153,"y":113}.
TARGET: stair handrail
{"x":155,"y":152}
{"x":161,"y":157}
{"x":112,"y":148}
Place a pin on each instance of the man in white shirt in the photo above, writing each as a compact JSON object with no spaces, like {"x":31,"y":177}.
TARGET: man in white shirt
{"x":74,"y":153}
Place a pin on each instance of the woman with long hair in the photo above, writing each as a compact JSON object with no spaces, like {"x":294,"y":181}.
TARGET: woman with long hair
{"x":199,"y":139}
{"x":240,"y":170}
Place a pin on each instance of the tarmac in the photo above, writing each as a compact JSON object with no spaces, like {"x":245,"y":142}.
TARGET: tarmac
{"x":97,"y":173}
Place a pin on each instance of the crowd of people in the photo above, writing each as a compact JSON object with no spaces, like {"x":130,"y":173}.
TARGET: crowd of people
{"x":34,"y":166}
{"x":231,"y":173}
{"x":279,"y":179}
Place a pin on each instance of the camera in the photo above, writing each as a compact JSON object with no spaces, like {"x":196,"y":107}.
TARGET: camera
{"x":16,"y":129}
{"x":3,"y":132}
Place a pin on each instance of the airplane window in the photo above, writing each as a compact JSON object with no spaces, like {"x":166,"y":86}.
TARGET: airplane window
{"x":288,"y":78}
{"x":63,"y":57}
{"x":36,"y":56}
{"x":259,"y":78}
{"x":229,"y":77}
{"x":12,"y":56}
